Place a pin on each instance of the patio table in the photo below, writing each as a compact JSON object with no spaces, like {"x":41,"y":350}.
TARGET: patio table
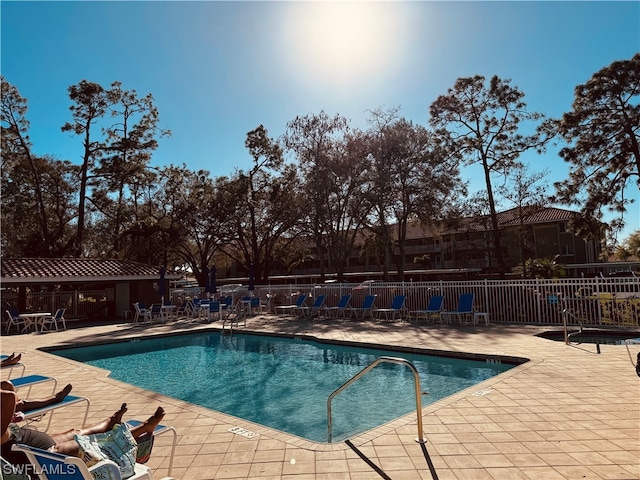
{"x":34,"y":319}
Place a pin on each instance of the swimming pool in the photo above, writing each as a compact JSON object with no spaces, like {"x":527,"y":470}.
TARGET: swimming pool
{"x":282,"y":382}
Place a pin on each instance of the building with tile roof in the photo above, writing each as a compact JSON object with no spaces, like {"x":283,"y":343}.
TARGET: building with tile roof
{"x":465,"y":248}
{"x":122,"y":281}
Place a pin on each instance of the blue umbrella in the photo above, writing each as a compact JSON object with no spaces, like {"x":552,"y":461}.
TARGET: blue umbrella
{"x":252,"y":281}
{"x":212,"y":281}
{"x":161,"y":284}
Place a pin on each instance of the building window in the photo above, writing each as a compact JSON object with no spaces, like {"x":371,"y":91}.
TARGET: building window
{"x":563,"y":227}
{"x":566,"y":249}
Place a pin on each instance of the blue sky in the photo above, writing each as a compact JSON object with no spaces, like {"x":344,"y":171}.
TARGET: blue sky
{"x":219,"y":69}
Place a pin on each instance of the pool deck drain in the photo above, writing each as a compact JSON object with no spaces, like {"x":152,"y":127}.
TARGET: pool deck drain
{"x":566,"y":414}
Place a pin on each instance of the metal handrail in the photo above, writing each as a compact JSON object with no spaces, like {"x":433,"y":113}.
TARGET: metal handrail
{"x":566,"y":313}
{"x":373,"y":364}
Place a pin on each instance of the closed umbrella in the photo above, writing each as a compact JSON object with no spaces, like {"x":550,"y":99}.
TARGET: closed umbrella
{"x":161,"y":284}
{"x":207,"y":280}
{"x":212,"y":279}
{"x":252,"y":282}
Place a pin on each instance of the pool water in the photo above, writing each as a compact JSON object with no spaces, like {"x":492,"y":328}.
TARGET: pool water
{"x":284,"y":383}
{"x":592,"y":336}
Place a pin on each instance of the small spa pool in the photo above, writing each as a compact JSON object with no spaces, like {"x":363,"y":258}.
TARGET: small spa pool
{"x":591,"y":336}
{"x":284,"y":383}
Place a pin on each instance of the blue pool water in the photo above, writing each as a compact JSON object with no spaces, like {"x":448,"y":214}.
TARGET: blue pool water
{"x":283,"y":383}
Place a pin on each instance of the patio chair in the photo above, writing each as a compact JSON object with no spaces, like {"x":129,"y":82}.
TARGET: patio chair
{"x":432,"y":312}
{"x":340,"y":308}
{"x":365,"y":309}
{"x":153,"y":313}
{"x":464,"y":310}
{"x":395,"y":311}
{"x":140,"y":311}
{"x":54,"y":319}
{"x":53,"y":466}
{"x":282,"y":309}
{"x":13,"y":318}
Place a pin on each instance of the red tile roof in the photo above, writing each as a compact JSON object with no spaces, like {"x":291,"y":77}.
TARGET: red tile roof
{"x":77,"y":270}
{"x":508,"y":218}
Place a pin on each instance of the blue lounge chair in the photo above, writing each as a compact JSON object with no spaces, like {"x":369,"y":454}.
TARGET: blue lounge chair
{"x":315,"y":309}
{"x":464,"y":310}
{"x":30,"y":381}
{"x":433,"y":310}
{"x":9,"y":368}
{"x":37,"y":414}
{"x":53,"y":466}
{"x":396,"y":309}
{"x":341,"y":308}
{"x":282,"y":309}
{"x":365,"y":309}
{"x":159,"y":430}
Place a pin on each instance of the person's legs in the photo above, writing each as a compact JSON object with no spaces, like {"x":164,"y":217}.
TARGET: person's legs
{"x":69,"y":446}
{"x":28,"y":405}
{"x":101,"y":427}
{"x":11,"y":360}
{"x":149,"y":425}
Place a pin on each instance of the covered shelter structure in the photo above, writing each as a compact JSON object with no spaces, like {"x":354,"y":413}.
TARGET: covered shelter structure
{"x":88,"y":288}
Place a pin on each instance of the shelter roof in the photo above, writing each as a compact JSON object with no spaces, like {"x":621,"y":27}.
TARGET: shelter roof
{"x":76,"y":270}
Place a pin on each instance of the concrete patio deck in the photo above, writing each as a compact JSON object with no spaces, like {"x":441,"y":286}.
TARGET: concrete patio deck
{"x":569,"y":413}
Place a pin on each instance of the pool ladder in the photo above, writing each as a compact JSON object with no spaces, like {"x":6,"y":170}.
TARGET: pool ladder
{"x":565,"y":314}
{"x":373,"y":364}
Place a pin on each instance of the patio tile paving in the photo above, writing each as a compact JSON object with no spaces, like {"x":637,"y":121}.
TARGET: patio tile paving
{"x":568,"y":413}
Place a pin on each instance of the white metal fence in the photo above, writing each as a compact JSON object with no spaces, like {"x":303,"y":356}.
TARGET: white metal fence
{"x":595,"y":301}
{"x":78,"y":303}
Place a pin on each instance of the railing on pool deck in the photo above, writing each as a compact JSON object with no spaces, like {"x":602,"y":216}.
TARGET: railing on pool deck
{"x":378,"y":360}
{"x":566,"y":313}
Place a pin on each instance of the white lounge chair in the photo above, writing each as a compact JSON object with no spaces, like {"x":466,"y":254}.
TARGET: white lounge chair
{"x":53,"y":465}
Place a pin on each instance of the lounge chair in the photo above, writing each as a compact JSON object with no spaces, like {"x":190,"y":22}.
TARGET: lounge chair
{"x":395,"y":311}
{"x":37,"y":415}
{"x":30,"y":381}
{"x":365,"y":309}
{"x":464,"y":310}
{"x":10,"y":368}
{"x":52,"y":466}
{"x":340,"y":308}
{"x":432,"y":312}
{"x":282,"y":309}
{"x":159,"y":430}
{"x":315,"y":309}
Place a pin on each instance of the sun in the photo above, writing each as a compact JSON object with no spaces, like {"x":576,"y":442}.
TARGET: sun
{"x":341,"y":42}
